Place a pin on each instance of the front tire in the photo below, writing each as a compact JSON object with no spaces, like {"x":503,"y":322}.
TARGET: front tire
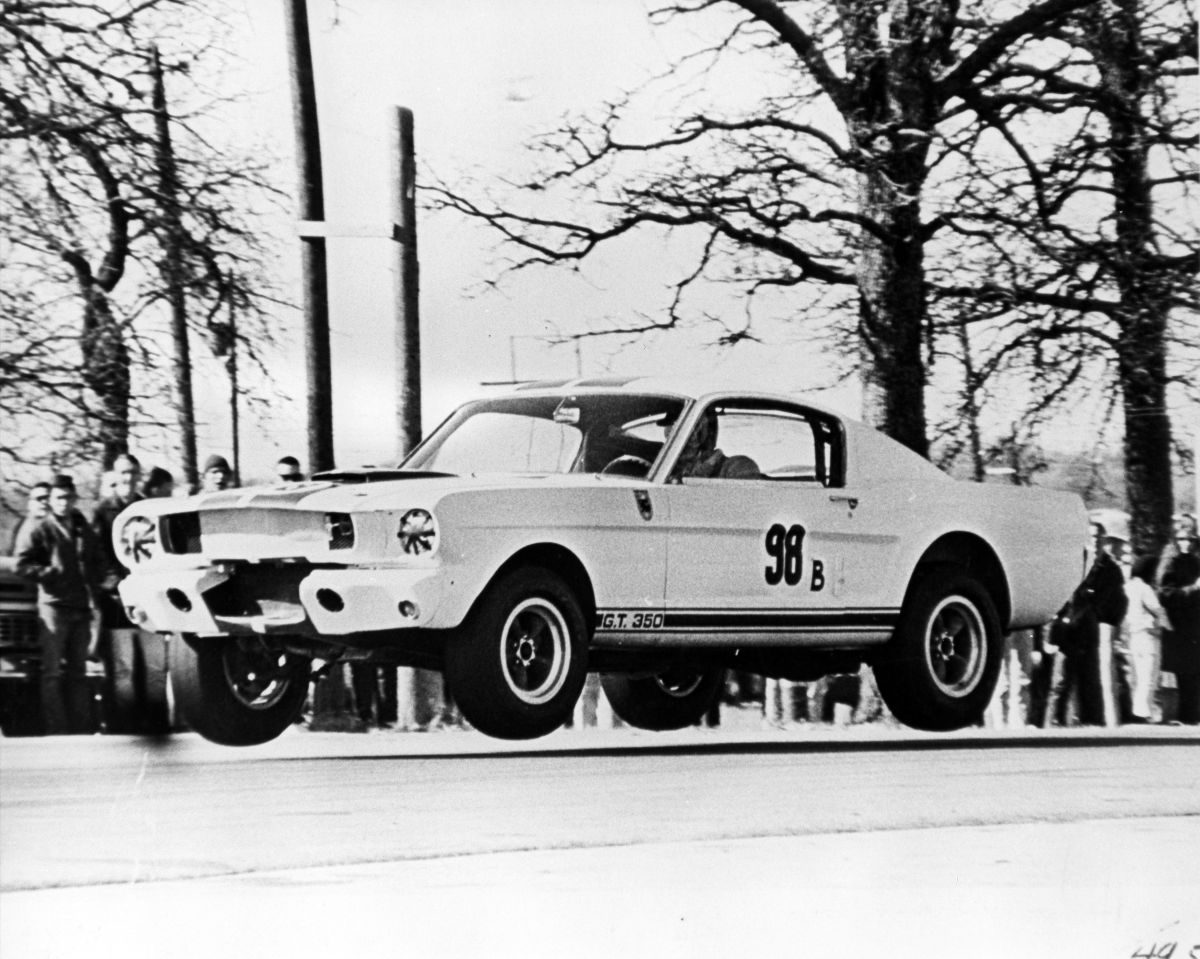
{"x":674,"y":699}
{"x":940,"y":669}
{"x":237,"y":692}
{"x":518,"y":664}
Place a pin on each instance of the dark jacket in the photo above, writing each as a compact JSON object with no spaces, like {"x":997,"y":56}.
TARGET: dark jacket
{"x":1179,"y":593}
{"x":1103,"y":591}
{"x":112,"y":571}
{"x":62,"y":558}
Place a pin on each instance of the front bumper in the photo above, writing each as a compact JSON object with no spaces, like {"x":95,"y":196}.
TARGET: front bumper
{"x":253,"y":598}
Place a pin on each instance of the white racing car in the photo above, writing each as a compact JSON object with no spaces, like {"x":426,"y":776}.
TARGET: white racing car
{"x":654,"y":535}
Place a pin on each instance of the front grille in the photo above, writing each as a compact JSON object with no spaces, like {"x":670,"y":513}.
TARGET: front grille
{"x":267,"y":589}
{"x":19,"y":630}
{"x":181,"y":533}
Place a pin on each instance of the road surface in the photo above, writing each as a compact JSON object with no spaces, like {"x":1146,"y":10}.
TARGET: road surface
{"x":827,"y":842}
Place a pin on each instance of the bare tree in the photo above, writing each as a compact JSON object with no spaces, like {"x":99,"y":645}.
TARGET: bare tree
{"x":1090,"y":238}
{"x":819,"y":184}
{"x":87,"y":216}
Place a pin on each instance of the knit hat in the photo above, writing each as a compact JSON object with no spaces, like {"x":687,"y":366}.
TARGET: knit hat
{"x":216,"y":462}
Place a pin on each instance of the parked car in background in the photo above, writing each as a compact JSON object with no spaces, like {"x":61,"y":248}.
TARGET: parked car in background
{"x":20,"y":653}
{"x":654,"y":533}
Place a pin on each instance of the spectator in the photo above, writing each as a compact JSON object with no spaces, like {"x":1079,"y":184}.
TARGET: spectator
{"x":159,"y":483}
{"x":1144,"y":623}
{"x":216,"y":476}
{"x":1083,"y":637}
{"x":1179,"y":592}
{"x":36,"y":509}
{"x":135,"y":660}
{"x":288,"y":470}
{"x":60,"y":554}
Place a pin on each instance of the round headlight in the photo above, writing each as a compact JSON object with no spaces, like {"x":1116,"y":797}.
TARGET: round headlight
{"x":137,"y":540}
{"x":418,"y":533}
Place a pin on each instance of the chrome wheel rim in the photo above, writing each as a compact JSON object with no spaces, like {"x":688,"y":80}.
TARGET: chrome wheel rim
{"x":956,"y":647}
{"x":535,"y":651}
{"x":258,"y":677}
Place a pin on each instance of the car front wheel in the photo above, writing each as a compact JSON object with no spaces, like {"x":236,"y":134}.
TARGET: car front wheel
{"x":237,"y":692}
{"x":517,"y":665}
{"x":673,"y":699}
{"x":940,"y":668}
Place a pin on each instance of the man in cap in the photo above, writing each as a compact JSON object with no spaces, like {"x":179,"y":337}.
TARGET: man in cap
{"x":216,"y":475}
{"x":60,"y":554}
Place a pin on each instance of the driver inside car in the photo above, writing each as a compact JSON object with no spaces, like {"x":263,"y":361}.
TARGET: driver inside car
{"x":701,"y":458}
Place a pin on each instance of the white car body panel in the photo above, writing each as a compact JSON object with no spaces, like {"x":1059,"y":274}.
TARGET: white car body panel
{"x":669,"y":563}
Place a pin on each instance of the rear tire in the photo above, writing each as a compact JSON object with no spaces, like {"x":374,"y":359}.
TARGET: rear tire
{"x":237,"y":692}
{"x":517,"y":665}
{"x":674,"y":699}
{"x":940,"y":669}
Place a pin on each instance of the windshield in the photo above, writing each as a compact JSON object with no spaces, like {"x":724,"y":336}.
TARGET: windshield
{"x":579,"y":433}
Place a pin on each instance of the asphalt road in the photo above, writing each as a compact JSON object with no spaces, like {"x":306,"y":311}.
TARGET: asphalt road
{"x":591,"y":843}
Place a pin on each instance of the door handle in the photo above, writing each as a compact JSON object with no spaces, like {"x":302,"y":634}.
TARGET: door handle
{"x":851,"y":501}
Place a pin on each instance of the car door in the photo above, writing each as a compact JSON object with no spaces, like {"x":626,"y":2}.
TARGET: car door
{"x":777,"y":554}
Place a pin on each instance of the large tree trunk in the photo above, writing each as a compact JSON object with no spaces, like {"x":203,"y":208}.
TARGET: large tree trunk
{"x":106,"y":373}
{"x":891,"y":316}
{"x":891,"y":112}
{"x":1113,"y":33}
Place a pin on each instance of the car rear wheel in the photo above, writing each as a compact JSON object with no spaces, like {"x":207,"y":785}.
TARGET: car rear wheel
{"x":517,"y":665}
{"x":673,"y":699}
{"x":237,"y":692}
{"x":940,"y":668}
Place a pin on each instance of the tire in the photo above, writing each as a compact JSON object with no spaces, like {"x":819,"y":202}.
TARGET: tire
{"x":940,"y":669}
{"x":237,"y":692}
{"x":517,"y":665}
{"x":674,"y":699}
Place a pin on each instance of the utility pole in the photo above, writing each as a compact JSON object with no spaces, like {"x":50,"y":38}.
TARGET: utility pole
{"x":419,"y":698}
{"x":408,"y":316}
{"x":331,"y":705}
{"x":311,"y":197}
{"x":172,"y":268}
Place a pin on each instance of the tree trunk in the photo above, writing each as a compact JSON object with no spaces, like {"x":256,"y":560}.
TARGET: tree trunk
{"x":891,"y":111}
{"x":891,"y":315}
{"x":1112,"y":31}
{"x":106,"y":373}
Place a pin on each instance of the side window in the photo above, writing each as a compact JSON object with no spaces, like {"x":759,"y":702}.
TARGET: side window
{"x":785,"y":444}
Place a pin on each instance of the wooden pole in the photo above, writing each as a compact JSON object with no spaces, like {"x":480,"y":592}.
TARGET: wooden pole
{"x":172,"y":269}
{"x":408,"y":319}
{"x":311,"y":201}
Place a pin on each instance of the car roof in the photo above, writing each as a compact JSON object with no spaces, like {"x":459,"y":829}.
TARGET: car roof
{"x":683,"y":387}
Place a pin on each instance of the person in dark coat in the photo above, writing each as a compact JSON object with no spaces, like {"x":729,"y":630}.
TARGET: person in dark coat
{"x":135,"y":661}
{"x":1080,"y":633}
{"x":60,"y":554}
{"x":1179,"y":592}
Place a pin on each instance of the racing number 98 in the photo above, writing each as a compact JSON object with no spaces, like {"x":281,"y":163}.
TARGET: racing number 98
{"x":786,"y":547}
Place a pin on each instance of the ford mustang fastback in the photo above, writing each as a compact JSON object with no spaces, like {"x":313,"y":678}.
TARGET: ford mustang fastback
{"x":655,"y":535}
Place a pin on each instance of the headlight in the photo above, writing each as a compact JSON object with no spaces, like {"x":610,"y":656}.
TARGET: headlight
{"x":137,"y":540}
{"x":418,"y":532}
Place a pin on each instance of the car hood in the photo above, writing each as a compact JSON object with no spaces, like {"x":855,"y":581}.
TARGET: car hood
{"x":346,"y":492}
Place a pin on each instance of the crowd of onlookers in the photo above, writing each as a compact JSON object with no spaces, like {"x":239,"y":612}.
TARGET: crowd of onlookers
{"x":1124,"y":649}
{"x":1130,"y":632}
{"x":80,"y":615}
